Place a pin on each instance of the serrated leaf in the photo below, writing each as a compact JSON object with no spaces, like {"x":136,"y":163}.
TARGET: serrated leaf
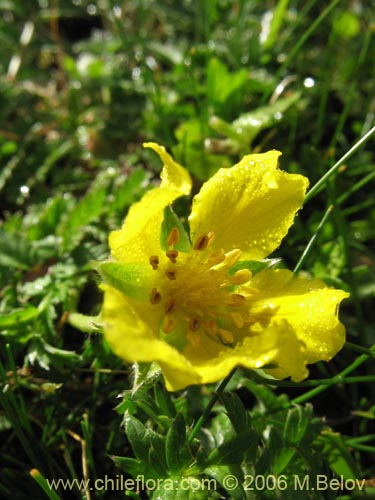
{"x":232,"y":451}
{"x":49,"y":218}
{"x":90,"y":207}
{"x":339,"y":459}
{"x":183,"y":488}
{"x":15,"y":251}
{"x":221,"y":474}
{"x":176,"y":448}
{"x":237,"y":413}
{"x":133,"y":280}
{"x":139,"y":438}
{"x":296,"y":423}
{"x":247,"y":126}
{"x":130,"y":465}
{"x":129,"y":190}
{"x":171,"y":221}
{"x":18,"y":317}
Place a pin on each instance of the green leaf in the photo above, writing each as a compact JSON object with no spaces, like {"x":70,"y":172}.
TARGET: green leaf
{"x":232,"y":451}
{"x":129,"y":190}
{"x":183,"y":488}
{"x":172,"y":221}
{"x":246,"y":127}
{"x":133,"y":280}
{"x":296,"y":423}
{"x":222,"y":473}
{"x":15,"y":251}
{"x":45,"y":355}
{"x":176,"y":449}
{"x":89,"y":208}
{"x":139,"y":437}
{"x":237,"y":413}
{"x":157,"y":455}
{"x":338,"y":456}
{"x":18,"y":317}
{"x":130,"y":465}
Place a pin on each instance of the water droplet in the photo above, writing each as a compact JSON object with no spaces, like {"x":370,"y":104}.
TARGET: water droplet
{"x":309,"y":82}
{"x":24,"y":190}
{"x":117,"y":11}
{"x":91,"y":9}
{"x":136,"y":73}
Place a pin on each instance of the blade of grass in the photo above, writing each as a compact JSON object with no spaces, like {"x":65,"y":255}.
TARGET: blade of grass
{"x":41,"y":480}
{"x":323,"y":180}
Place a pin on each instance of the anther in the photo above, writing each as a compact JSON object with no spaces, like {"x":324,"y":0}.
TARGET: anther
{"x":169,"y":305}
{"x":154,"y":261}
{"x":237,"y":319}
{"x":216,"y":257}
{"x":232,"y":257}
{"x":155,"y":297}
{"x":170,"y":274}
{"x":225,"y":336}
{"x":241,"y":276}
{"x":237,"y":299}
{"x":194,"y":324}
{"x":203,"y":241}
{"x":172,"y":255}
{"x":168,"y":323}
{"x":211,"y":327}
{"x":194,"y":339}
{"x":173,"y":237}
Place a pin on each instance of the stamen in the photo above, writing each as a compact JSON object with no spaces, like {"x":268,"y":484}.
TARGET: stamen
{"x":155,"y":297}
{"x":211,"y":327}
{"x":169,"y":305}
{"x":170,"y":274}
{"x":194,"y":339}
{"x":241,"y":276}
{"x":194,"y":324}
{"x":237,"y":319}
{"x":173,"y":237}
{"x":203,"y":241}
{"x":229,"y":260}
{"x":154,"y":261}
{"x":232,"y":257}
{"x":236,"y":299}
{"x":225,"y":336}
{"x":172,"y":255}
{"x":216,"y":257}
{"x":168,"y":323}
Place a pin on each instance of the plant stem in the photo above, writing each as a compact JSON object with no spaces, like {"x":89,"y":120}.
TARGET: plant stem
{"x":202,"y":419}
{"x":87,"y":324}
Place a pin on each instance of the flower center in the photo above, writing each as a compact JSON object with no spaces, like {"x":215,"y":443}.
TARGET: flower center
{"x":201,"y":291}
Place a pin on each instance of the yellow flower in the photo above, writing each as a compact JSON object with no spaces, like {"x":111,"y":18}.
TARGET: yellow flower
{"x":192,"y":304}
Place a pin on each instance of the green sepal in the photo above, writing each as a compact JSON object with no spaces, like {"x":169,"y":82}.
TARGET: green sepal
{"x":170,"y":221}
{"x":253,"y":265}
{"x":133,"y":280}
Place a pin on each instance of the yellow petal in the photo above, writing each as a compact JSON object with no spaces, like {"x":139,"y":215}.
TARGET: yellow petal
{"x":277,"y":346}
{"x":132,"y":339}
{"x":173,"y":175}
{"x":249,"y":206}
{"x":310,"y":307}
{"x":139,"y":237}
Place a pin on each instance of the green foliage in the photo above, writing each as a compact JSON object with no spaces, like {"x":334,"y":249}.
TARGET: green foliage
{"x":82,"y":85}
